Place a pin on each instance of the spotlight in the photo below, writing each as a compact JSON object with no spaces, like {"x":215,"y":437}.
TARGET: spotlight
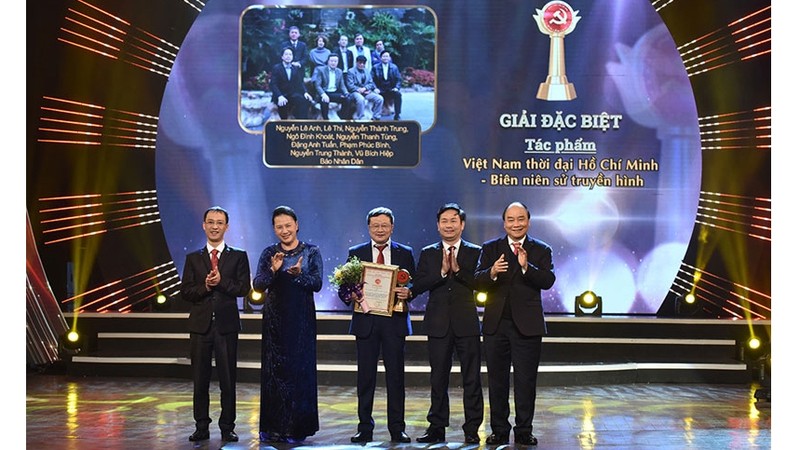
{"x":687,"y":305}
{"x":253,"y":298}
{"x":71,"y":342}
{"x":256,"y":298}
{"x":160,"y":303}
{"x":588,"y":304}
{"x":480,"y":298}
{"x":754,"y":349}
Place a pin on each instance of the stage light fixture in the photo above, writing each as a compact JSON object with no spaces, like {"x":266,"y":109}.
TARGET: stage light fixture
{"x":754,"y":349}
{"x":256,"y":298}
{"x":588,"y":304}
{"x":71,"y":342}
{"x":160,"y":302}
{"x":687,"y":305}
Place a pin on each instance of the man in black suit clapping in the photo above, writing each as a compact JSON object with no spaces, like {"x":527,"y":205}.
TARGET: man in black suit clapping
{"x":213,"y":277}
{"x":446,"y":270}
{"x":513,"y":270}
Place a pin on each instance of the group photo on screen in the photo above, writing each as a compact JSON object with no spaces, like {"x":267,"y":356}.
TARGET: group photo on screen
{"x":334,"y":64}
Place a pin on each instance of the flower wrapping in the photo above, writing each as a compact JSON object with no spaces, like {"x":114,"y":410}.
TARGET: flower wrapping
{"x":347,"y":279}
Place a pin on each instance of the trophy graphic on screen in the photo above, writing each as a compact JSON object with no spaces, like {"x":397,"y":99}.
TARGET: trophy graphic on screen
{"x":557,"y":19}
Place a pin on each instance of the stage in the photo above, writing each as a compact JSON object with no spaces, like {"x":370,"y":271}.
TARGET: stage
{"x":68,"y":412}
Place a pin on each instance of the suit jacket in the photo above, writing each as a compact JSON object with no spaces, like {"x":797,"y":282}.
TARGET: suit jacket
{"x":451,"y":301}
{"x":361,"y":324}
{"x":523,"y":292}
{"x":300,"y":52}
{"x":386,"y":84}
{"x":322,"y":78}
{"x":220,"y":302}
{"x":347,"y":54}
{"x":280,"y":85}
{"x":357,"y":79}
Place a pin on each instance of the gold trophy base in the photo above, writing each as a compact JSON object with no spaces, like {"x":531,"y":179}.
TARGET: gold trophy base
{"x":400,"y":306}
{"x":556,"y":91}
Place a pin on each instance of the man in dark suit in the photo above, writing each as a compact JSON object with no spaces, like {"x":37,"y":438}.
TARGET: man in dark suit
{"x":299,"y":49}
{"x":446,"y":270}
{"x":513,"y":270}
{"x":386,"y":77}
{"x":346,"y":58}
{"x":329,"y":83}
{"x":382,"y":335}
{"x":288,"y":88}
{"x":213,"y":278}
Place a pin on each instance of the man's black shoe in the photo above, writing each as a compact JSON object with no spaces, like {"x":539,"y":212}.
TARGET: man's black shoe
{"x":230,"y":436}
{"x":199,"y":435}
{"x":431,"y":436}
{"x":496,"y":439}
{"x":471,"y":438}
{"x":526,"y":439}
{"x":400,"y":436}
{"x":361,"y":436}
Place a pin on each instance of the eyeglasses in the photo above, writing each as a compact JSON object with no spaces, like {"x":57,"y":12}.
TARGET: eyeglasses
{"x":380,"y":226}
{"x":218,"y":223}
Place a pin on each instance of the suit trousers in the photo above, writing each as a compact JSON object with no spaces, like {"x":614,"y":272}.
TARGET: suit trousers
{"x":396,"y":98}
{"x":223,"y":347}
{"x":385,"y":340}
{"x":297,"y":105}
{"x":346,"y":110}
{"x":440,"y":356}
{"x":504,"y":348}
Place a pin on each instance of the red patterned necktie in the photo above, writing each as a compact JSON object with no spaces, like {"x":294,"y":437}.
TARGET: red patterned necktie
{"x":380,"y":248}
{"x":214,"y":259}
{"x":516,"y":247}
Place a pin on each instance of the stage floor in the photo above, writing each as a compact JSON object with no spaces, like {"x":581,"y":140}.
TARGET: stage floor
{"x":134,"y":413}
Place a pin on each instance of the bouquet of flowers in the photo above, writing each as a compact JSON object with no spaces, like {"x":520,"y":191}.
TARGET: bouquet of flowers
{"x":347,"y":278}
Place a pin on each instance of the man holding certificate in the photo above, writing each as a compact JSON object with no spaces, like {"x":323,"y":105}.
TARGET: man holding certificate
{"x":380,"y":324}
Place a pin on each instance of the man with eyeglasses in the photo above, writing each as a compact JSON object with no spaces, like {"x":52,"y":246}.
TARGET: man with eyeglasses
{"x":378,"y":335}
{"x":213,"y":278}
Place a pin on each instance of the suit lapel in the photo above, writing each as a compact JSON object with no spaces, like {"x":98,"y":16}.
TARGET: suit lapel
{"x":223,"y":258}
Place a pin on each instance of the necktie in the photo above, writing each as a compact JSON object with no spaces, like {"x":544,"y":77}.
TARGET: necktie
{"x":450,"y":252}
{"x":214,"y":259}
{"x":516,"y":247}
{"x":380,"y":253}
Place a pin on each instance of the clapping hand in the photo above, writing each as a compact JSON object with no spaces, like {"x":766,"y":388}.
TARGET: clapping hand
{"x":296,"y":268}
{"x":277,"y":262}
{"x":499,"y":266}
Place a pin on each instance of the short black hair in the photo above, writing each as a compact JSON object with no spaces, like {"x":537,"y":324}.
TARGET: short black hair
{"x":380,"y":211}
{"x":386,"y":51}
{"x":283,"y":211}
{"x":361,"y":58}
{"x":454,"y":207}
{"x":216,"y":209}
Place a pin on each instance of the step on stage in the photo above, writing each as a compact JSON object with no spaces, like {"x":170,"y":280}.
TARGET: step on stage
{"x":576,"y":351}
